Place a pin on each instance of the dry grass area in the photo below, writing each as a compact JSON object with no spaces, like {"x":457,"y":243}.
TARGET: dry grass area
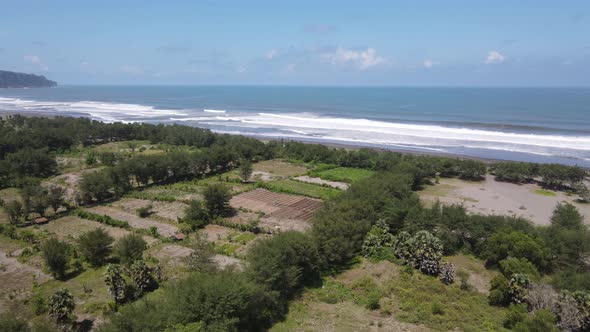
{"x":16,"y":279}
{"x":279,"y":168}
{"x":281,"y":211}
{"x":381,"y":272}
{"x":215,"y":232}
{"x":71,"y":227}
{"x":479,"y":276}
{"x":333,"y":184}
{"x":135,"y":221}
{"x":69,"y":181}
{"x":167,"y":210}
{"x":494,"y":197}
{"x":308,"y":314}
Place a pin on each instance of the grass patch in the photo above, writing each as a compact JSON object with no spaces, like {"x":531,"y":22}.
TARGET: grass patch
{"x":544,"y":192}
{"x":344,"y":174}
{"x":454,"y":308}
{"x":301,"y":188}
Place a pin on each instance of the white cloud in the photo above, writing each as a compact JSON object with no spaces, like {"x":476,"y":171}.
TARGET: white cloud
{"x":271,"y":54}
{"x":362,"y":59}
{"x":429,"y":63}
{"x":290,"y":68}
{"x":36,"y":60}
{"x":494,"y":57}
{"x":241,"y":69}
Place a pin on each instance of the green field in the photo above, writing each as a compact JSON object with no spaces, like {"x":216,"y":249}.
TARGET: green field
{"x":344,"y":174}
{"x":302,"y":188}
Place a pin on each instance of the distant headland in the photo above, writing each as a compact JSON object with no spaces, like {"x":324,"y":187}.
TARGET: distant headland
{"x":9,"y":79}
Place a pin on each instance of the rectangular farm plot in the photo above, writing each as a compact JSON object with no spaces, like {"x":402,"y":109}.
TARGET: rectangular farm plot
{"x":167,"y":210}
{"x":282,"y":211}
{"x":135,"y":221}
{"x":344,"y":174}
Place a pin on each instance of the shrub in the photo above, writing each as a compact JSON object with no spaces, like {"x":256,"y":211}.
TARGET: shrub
{"x":217,"y":198}
{"x":447,"y":273}
{"x":516,"y":314}
{"x":518,"y":288}
{"x":114,"y":279}
{"x":437,"y":309}
{"x":142,"y":278}
{"x":541,"y":321}
{"x":499,"y":291}
{"x":145,"y":211}
{"x":56,"y":257}
{"x":284,"y":262}
{"x":505,"y":244}
{"x":541,"y":296}
{"x":245,"y":169}
{"x":95,"y":246}
{"x":511,"y":265}
{"x":377,"y":241}
{"x":61,"y":305}
{"x":195,"y":215}
{"x":130,"y":248}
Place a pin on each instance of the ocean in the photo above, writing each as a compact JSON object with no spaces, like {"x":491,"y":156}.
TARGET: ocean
{"x":522,"y":124}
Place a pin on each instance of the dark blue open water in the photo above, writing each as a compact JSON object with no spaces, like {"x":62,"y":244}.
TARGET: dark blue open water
{"x":528,"y":124}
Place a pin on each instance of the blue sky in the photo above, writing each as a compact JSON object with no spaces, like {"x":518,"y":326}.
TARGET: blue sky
{"x":431,"y":43}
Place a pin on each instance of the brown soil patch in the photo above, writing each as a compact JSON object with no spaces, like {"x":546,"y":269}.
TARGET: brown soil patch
{"x":333,"y":184}
{"x":224,"y":262}
{"x":216,"y":233}
{"x":135,"y":221}
{"x":242,"y":217}
{"x":71,"y":227}
{"x":167,"y":210}
{"x":282,"y":211}
{"x":16,"y":278}
{"x":278,"y":168}
{"x":494,"y":197}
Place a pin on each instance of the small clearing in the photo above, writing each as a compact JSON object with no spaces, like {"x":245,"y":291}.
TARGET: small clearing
{"x":333,"y":184}
{"x":502,"y":198}
{"x":17,"y":278}
{"x":167,"y":210}
{"x":282,"y":211}
{"x":479,"y":276}
{"x":135,"y":221}
{"x":279,"y":168}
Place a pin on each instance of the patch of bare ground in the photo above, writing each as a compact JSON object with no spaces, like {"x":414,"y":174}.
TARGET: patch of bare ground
{"x":263,"y":176}
{"x":279,"y":168}
{"x":71,"y":227}
{"x":503,"y":198}
{"x":135,"y":221}
{"x":333,"y":184}
{"x":69,"y":181}
{"x":243,"y":217}
{"x":281,"y":211}
{"x":173,"y":255}
{"x":167,"y":210}
{"x":16,"y":279}
{"x":223,"y":262}
{"x":308,"y":314}
{"x":381,"y":272}
{"x":479,"y":276}
{"x":215,"y":232}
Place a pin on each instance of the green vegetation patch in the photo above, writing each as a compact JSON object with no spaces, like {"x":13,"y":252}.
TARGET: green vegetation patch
{"x":425,"y":300}
{"x":544,"y":192}
{"x":302,"y":188}
{"x":344,"y":174}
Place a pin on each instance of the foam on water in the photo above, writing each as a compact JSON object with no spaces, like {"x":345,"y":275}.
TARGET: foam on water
{"x":306,"y":125}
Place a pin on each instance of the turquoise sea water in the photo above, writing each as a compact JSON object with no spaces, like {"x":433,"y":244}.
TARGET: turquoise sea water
{"x":528,"y":124}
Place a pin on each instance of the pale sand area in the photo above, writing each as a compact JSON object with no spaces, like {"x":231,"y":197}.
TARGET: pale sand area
{"x":494,"y":197}
{"x":333,"y":184}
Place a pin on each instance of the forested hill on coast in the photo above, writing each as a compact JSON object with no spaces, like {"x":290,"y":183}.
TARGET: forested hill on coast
{"x":9,"y":79}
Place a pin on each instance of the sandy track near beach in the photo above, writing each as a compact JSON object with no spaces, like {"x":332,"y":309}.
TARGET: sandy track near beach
{"x":494,"y":197}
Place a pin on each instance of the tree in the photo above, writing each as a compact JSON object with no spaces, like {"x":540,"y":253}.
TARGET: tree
{"x":377,"y":241}
{"x":513,"y":265}
{"x":142,"y":278}
{"x":517,"y":244}
{"x":245,"y":169}
{"x":568,"y":236}
{"x":55,"y":197}
{"x":130,"y":248}
{"x":61,"y":305}
{"x":217,"y":198}
{"x":195,"y":215}
{"x":584,"y":192}
{"x":114,"y":279}
{"x":15,"y":211}
{"x":96,"y":185}
{"x":201,"y":256}
{"x":56,"y":256}
{"x":95,"y":246}
{"x":285,"y":262}
{"x":145,"y":211}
